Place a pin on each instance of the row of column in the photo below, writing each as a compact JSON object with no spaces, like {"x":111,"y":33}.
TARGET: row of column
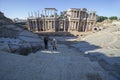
{"x":50,"y":25}
{"x":75,"y":14}
{"x":73,"y":25}
{"x":35,"y":25}
{"x":92,"y":16}
{"x":84,"y":26}
{"x":49,"y":13}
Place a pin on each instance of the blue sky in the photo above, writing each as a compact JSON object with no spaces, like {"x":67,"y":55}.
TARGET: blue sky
{"x":20,"y":8}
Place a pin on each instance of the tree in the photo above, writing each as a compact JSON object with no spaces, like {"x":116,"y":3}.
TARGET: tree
{"x":101,"y":18}
{"x":113,"y":18}
{"x":62,"y":14}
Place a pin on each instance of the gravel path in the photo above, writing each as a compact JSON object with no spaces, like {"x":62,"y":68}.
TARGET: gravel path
{"x":64,"y":64}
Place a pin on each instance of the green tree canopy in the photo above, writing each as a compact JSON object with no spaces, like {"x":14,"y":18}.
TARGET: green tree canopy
{"x":113,"y":18}
{"x":101,"y":18}
{"x":62,"y":13}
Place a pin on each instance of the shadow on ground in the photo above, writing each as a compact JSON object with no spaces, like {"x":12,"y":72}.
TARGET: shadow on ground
{"x":111,"y":64}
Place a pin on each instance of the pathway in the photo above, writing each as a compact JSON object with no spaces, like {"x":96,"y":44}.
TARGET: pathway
{"x":64,"y":64}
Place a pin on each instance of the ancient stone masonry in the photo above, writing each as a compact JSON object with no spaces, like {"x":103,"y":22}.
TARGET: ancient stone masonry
{"x":75,"y":19}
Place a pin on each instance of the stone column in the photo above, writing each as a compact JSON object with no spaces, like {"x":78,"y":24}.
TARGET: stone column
{"x":51,"y":24}
{"x":42,"y":26}
{"x":69,"y":26}
{"x":48,"y":22}
{"x":48,"y":26}
{"x":28,"y":23}
{"x":54,"y":25}
{"x":76,"y":14}
{"x":88,"y":26}
{"x":45,"y":13}
{"x":38,"y":25}
{"x":64,"y":24}
{"x":51,"y":13}
{"x":84,"y":26}
{"x":91,"y":15}
{"x":54,"y":13}
{"x":71,"y":14}
{"x":33,"y":25}
{"x":85,"y":15}
{"x":72,"y":24}
{"x":45,"y":24}
{"x":79,"y":14}
{"x":48,"y":13}
{"x":77,"y":25}
{"x":36,"y":29}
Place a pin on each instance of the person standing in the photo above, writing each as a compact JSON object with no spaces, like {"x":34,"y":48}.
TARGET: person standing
{"x":46,"y":39}
{"x":54,"y":44}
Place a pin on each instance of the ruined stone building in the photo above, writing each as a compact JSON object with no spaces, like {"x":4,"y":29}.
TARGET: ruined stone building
{"x":74,"y":19}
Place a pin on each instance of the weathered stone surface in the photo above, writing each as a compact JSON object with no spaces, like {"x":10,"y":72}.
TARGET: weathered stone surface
{"x":64,"y":64}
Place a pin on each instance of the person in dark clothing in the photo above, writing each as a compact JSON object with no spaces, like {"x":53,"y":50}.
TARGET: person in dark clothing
{"x":46,"y":39}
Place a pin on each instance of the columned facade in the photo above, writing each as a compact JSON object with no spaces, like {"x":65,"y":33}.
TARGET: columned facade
{"x":75,"y":20}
